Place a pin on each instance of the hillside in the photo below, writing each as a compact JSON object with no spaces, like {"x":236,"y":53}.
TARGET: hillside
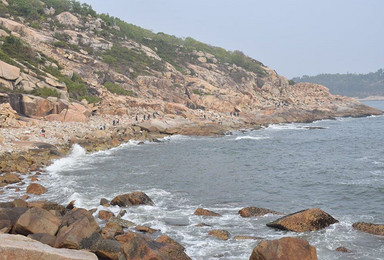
{"x":60,"y":57}
{"x":352,"y":85}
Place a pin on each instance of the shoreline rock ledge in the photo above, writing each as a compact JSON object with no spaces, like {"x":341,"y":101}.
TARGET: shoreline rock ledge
{"x":305,"y":220}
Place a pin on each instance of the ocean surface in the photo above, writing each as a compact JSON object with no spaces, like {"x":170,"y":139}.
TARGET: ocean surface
{"x":335,"y":165}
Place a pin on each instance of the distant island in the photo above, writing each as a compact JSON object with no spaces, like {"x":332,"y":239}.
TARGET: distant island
{"x":350,"y":84}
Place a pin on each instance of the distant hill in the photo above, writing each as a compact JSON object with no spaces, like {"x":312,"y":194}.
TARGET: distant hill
{"x":353,"y":85}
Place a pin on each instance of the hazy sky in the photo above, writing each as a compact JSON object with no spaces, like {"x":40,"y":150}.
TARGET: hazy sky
{"x":294,"y":37}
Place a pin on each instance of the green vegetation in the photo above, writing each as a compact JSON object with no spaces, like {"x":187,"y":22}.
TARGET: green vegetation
{"x":122,"y":59}
{"x":45,"y":92}
{"x":117,"y":89}
{"x":353,"y":85}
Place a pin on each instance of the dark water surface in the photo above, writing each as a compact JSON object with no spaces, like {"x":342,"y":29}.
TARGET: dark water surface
{"x":337,"y":166}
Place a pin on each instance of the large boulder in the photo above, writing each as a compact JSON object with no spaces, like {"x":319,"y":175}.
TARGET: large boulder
{"x":28,"y":105}
{"x":9,"y":217}
{"x":10,"y":178}
{"x":205,"y":212}
{"x":37,"y":189}
{"x":20,"y":247}
{"x":37,"y":220}
{"x":103,"y":248}
{"x":76,"y":225}
{"x":287,"y":248}
{"x":375,"y":229}
{"x":220,"y":234}
{"x":305,"y":220}
{"x":132,"y":199}
{"x":144,"y":248}
{"x":8,"y":71}
{"x":256,"y":212}
{"x":66,"y":18}
{"x":52,"y":207}
{"x":44,"y":238}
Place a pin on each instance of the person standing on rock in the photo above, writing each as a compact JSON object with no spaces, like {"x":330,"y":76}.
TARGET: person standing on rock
{"x":43,"y":132}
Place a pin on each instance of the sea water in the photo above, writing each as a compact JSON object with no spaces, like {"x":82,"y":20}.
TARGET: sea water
{"x":335,"y":165}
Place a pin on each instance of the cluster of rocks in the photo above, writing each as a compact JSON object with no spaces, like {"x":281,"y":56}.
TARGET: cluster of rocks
{"x":75,"y":228}
{"x":289,"y":247}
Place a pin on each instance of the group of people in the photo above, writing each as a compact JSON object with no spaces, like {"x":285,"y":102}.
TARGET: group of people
{"x":147,"y":116}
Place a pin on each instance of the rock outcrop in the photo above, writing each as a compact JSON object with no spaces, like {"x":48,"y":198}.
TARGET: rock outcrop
{"x":20,"y":247}
{"x":132,"y":199}
{"x":375,"y":229}
{"x":205,"y":212}
{"x":37,"y":189}
{"x":287,"y":248}
{"x":220,"y":234}
{"x":305,"y":220}
{"x":256,"y":212}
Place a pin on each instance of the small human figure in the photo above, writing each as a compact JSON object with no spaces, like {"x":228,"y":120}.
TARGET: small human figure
{"x":144,"y":117}
{"x":117,"y":121}
{"x":137,"y":119}
{"x":148,"y":117}
{"x":43,"y":132}
{"x":205,"y":117}
{"x":154,"y":115}
{"x":114,"y":122}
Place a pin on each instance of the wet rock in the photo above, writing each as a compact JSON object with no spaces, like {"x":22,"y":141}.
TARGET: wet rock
{"x":48,"y":205}
{"x":205,"y":212}
{"x":105,"y":215}
{"x":220,"y":234}
{"x":375,"y":229}
{"x":111,"y":230}
{"x":37,"y":189}
{"x":166,"y":239}
{"x":20,"y":247}
{"x":256,"y":212}
{"x":104,"y":202}
{"x":122,"y":222}
{"x":145,"y":229}
{"x":132,"y":199}
{"x":44,"y":238}
{"x":305,"y":220}
{"x":144,"y":248}
{"x":37,"y":220}
{"x":75,"y":226}
{"x":202,"y":225}
{"x":287,"y":248}
{"x":71,"y":205}
{"x":343,"y":250}
{"x":10,"y":178}
{"x":19,"y":203}
{"x":103,"y":248}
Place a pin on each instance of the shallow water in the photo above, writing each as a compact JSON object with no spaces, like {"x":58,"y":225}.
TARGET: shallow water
{"x":287,"y":168}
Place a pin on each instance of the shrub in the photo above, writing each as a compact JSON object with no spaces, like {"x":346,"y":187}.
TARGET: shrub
{"x":45,"y":92}
{"x":117,"y":89}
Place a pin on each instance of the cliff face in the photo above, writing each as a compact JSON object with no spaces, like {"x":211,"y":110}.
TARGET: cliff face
{"x":193,"y":84}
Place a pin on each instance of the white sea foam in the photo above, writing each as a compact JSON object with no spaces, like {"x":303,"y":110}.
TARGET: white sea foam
{"x":248,"y":137}
{"x":68,"y":162}
{"x":285,"y":127}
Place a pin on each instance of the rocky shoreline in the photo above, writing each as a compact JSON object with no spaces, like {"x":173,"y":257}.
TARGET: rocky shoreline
{"x":42,"y":230}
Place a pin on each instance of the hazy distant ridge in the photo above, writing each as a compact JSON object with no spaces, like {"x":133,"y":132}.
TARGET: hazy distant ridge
{"x":353,"y":85}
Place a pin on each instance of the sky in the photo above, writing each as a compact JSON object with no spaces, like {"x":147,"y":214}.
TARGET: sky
{"x":293,"y":37}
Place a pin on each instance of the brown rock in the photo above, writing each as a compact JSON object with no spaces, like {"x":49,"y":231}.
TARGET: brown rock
{"x":35,"y":188}
{"x":144,"y":248}
{"x":103,"y":248}
{"x":122,"y":222}
{"x":37,"y":220}
{"x":111,"y":230}
{"x":71,"y":205}
{"x":132,"y":199}
{"x":205,"y":212}
{"x":256,"y":212}
{"x":20,"y":203}
{"x":127,"y":236}
{"x":24,"y":197}
{"x":220,"y":234}
{"x":47,"y":205}
{"x":20,"y":247}
{"x":104,"y":202}
{"x":305,"y":220}
{"x":375,"y":229}
{"x":10,"y":178}
{"x":8,"y":71}
{"x":43,"y":238}
{"x":343,"y":249}
{"x":105,"y":215}
{"x":76,"y":225}
{"x":287,"y":248}
{"x":145,"y":229}
{"x":166,"y":239}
